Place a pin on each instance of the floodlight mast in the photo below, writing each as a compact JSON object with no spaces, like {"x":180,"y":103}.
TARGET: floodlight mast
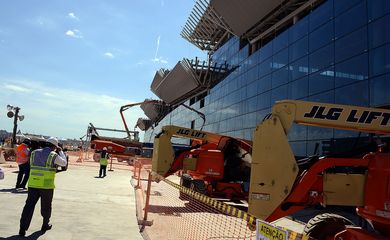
{"x":14,"y":111}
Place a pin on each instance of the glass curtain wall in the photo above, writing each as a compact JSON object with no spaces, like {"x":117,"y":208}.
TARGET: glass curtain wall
{"x":339,"y":53}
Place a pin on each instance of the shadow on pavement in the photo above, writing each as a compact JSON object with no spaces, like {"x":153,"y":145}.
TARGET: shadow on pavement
{"x":13,"y":190}
{"x":33,"y":236}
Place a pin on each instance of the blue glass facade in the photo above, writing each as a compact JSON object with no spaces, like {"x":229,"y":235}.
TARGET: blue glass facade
{"x":338,"y":53}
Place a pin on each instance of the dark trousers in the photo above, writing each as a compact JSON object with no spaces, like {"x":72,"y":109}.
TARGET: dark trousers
{"x":34,"y":194}
{"x":102,"y":171}
{"x":24,"y":173}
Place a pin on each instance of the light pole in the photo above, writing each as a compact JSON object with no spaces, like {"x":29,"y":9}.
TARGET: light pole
{"x":13,"y":112}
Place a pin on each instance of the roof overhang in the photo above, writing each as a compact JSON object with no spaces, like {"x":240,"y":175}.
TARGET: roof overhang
{"x":241,"y":15}
{"x":144,"y":124}
{"x":188,"y":79}
{"x":211,"y":21}
{"x":205,"y":28}
{"x":155,"y":111}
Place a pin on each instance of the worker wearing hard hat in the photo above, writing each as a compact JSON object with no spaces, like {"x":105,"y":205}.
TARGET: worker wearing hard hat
{"x":103,"y":162}
{"x":22,"y":154}
{"x":41,"y":183}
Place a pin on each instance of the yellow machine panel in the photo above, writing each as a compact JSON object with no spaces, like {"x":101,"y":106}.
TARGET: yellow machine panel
{"x":162,"y":154}
{"x":344,"y":189}
{"x":270,"y":161}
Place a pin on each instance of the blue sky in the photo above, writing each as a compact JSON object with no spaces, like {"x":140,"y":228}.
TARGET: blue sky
{"x":67,"y":63}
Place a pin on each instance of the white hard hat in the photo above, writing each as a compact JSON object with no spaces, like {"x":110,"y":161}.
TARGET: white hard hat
{"x":105,"y":149}
{"x":53,"y":141}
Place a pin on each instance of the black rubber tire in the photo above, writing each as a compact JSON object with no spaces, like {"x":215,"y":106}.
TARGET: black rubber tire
{"x":198,"y":186}
{"x":185,"y":181}
{"x":325,"y":225}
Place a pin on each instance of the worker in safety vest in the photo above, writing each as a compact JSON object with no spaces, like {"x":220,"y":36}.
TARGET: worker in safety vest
{"x":41,"y":183}
{"x":103,"y":162}
{"x":22,"y":155}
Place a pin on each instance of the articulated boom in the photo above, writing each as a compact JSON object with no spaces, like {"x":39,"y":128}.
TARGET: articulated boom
{"x":163,"y":153}
{"x":274,"y":170}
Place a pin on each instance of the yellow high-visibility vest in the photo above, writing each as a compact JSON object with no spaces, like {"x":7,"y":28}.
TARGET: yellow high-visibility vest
{"x":42,"y":177}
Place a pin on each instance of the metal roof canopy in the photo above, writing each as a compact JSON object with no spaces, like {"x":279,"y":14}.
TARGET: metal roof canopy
{"x":188,"y":79}
{"x":144,"y":123}
{"x":155,"y":111}
{"x":204,"y":27}
{"x":241,"y":15}
{"x":211,"y":21}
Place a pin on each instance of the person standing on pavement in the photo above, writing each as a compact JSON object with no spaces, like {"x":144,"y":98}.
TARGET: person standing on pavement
{"x":22,"y":155}
{"x":41,"y":183}
{"x":103,"y":162}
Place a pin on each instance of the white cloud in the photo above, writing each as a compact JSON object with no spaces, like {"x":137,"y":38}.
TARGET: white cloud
{"x":63,"y":112}
{"x":43,"y":22}
{"x":16,"y":88}
{"x":109,"y":55}
{"x":74,"y":33}
{"x":48,"y":94}
{"x":158,"y":46}
{"x":73,"y":16}
{"x":158,"y":59}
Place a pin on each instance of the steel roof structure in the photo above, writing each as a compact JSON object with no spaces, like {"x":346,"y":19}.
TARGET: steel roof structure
{"x":211,"y":21}
{"x":187,"y":79}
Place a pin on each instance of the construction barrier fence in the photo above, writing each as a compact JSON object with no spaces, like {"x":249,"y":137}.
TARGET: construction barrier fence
{"x":171,"y":211}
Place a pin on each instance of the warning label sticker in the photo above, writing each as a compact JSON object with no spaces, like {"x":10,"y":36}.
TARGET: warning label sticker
{"x":265,"y":231}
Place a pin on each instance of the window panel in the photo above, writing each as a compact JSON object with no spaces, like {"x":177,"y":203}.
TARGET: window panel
{"x":252,"y":104}
{"x":325,"y":97}
{"x":379,"y":31}
{"x":380,"y":60}
{"x":355,"y":94}
{"x":264,"y":100}
{"x":299,"y":49}
{"x":321,"y":36}
{"x":347,"y":134}
{"x":299,"y":29}
{"x":378,"y":8}
{"x":280,"y":93}
{"x":379,"y":91}
{"x":298,"y":148}
{"x":321,"y":15}
{"x":321,"y":81}
{"x":280,"y":41}
{"x":319,"y":133}
{"x":318,"y":147}
{"x":298,"y":89}
{"x":265,"y":52}
{"x":280,"y":59}
{"x":350,"y":20}
{"x":321,"y":58}
{"x":251,"y":89}
{"x":352,"y":70}
{"x":299,"y":68}
{"x":280,"y":77}
{"x":265,"y":67}
{"x":265,"y":83}
{"x":297,"y":132}
{"x":250,"y":120}
{"x":351,"y":44}
{"x":262,"y":114}
{"x":341,"y":6}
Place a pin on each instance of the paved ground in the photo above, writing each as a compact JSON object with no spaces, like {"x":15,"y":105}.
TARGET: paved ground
{"x":84,"y":207}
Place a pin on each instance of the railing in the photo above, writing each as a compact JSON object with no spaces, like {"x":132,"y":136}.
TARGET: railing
{"x":167,"y":210}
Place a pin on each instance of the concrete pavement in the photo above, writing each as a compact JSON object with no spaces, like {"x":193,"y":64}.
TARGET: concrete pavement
{"x":84,"y":206}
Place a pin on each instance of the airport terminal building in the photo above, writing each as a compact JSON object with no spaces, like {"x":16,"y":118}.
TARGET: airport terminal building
{"x":263,"y":51}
